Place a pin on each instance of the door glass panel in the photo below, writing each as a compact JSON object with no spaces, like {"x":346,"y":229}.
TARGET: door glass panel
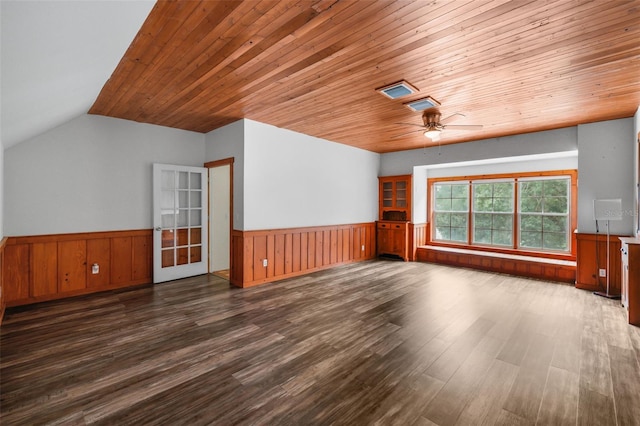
{"x":195,"y":181}
{"x":167,"y":202}
{"x":196,"y":217}
{"x":182,"y":257}
{"x":168,"y":220}
{"x":182,"y":237}
{"x":196,"y":199}
{"x":183,"y":180}
{"x":183,"y":199}
{"x":168,"y":179}
{"x":196,"y":254}
{"x":167,"y":238}
{"x":167,"y":258}
{"x":183,"y":218}
{"x":196,"y":235}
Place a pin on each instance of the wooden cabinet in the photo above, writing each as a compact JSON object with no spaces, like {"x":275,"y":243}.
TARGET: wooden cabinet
{"x":592,"y":257}
{"x":393,"y":238}
{"x":395,"y":198}
{"x":630,"y":251}
{"x":392,"y":229}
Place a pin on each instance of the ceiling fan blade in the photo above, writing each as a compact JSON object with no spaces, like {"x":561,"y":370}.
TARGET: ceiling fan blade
{"x":451,"y":117}
{"x":464,"y":127}
{"x":411,"y":124}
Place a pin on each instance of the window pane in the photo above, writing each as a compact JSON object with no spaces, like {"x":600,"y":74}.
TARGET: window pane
{"x":503,"y":222}
{"x":460,"y":204}
{"x":459,"y":234}
{"x":482,"y":204}
{"x":531,"y":205}
{"x":554,"y":224}
{"x":482,"y":220}
{"x":555,"y":241}
{"x":555,"y":205}
{"x":504,"y":190}
{"x":443,"y":191}
{"x":460,"y":191}
{"x":482,"y":236}
{"x":556,"y":188}
{"x":443,"y":233}
{"x":531,"y":239}
{"x":531,"y":223}
{"x":483,"y":190}
{"x":502,"y":204}
{"x":504,"y":238}
{"x":443,"y":219}
{"x":531,"y":189}
{"x":459,"y":220}
{"x":443,"y":204}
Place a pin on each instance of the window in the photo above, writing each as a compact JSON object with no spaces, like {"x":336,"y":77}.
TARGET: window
{"x":451,"y":211}
{"x":526,"y":212}
{"x":544,"y":214}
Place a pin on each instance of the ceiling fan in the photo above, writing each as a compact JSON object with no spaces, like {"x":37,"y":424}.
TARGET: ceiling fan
{"x":434,"y":125}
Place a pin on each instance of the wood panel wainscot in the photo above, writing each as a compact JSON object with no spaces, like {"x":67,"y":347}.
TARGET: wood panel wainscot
{"x":592,"y":257}
{"x":47,"y":267}
{"x":418,"y":236}
{"x":3,"y":243}
{"x":269,"y":255}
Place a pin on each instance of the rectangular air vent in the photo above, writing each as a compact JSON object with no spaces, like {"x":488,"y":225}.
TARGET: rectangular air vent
{"x":422,"y":104}
{"x":398,"y":90}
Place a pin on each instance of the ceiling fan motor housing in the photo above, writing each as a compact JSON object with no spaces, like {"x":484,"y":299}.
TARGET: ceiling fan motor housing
{"x":431,"y":120}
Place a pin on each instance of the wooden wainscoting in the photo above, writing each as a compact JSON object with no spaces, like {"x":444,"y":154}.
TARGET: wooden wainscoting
{"x":418,"y":236}
{"x":3,"y":243}
{"x":541,"y":268}
{"x":48,"y":267}
{"x":297,"y":251}
{"x":592,"y":256}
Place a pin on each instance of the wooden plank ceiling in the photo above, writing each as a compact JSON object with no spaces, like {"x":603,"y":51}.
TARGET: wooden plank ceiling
{"x":313,"y":66}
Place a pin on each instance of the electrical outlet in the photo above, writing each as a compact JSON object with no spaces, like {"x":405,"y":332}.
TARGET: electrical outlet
{"x":264,"y":262}
{"x":95,"y":268}
{"x":363,"y":247}
{"x":603,"y":272}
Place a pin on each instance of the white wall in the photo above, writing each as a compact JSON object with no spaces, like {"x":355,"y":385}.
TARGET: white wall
{"x":1,"y":190}
{"x":92,"y":173}
{"x":606,"y":170}
{"x":402,"y":162}
{"x":295,"y":180}
{"x":228,"y":142}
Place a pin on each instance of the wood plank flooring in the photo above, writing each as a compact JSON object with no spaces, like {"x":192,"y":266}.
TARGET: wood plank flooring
{"x":377,"y":342}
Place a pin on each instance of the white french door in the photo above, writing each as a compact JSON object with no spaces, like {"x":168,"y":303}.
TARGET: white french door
{"x":180,"y":200}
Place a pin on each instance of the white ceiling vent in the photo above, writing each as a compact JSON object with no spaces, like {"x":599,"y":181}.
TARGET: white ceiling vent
{"x":422,"y":104}
{"x":398,"y":90}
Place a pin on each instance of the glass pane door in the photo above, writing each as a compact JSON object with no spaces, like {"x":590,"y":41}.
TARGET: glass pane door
{"x":180,"y":208}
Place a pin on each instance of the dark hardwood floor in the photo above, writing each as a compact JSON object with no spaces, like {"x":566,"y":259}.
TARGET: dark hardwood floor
{"x":379,"y":342}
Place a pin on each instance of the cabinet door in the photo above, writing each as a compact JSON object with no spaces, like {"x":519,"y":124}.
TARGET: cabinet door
{"x":399,"y":242}
{"x":385,"y":240}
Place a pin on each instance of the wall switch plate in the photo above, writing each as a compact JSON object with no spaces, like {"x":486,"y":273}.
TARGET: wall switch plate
{"x":264,"y":262}
{"x":603,"y":272}
{"x":95,"y":268}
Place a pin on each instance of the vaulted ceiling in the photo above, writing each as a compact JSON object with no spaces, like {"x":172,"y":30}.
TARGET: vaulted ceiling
{"x":312,"y":66}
